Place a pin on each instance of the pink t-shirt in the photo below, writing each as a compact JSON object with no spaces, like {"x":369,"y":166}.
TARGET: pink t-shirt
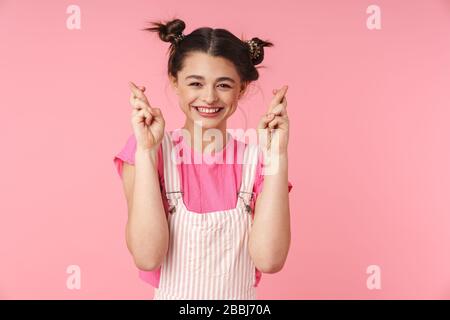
{"x":218,"y":182}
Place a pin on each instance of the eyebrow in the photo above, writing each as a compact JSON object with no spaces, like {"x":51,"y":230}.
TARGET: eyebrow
{"x":218,"y":79}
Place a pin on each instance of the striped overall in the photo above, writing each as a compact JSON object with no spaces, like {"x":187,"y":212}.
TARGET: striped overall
{"x":208,"y":255}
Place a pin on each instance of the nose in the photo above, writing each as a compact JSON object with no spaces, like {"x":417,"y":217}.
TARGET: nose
{"x":209,"y":95}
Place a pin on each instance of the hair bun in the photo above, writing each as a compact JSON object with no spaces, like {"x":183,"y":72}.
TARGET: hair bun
{"x":256,"y":49}
{"x":170,"y":31}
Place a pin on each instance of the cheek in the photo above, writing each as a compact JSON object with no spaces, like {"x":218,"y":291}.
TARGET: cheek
{"x":233,"y":101}
{"x":229,"y":98}
{"x":186,"y":99}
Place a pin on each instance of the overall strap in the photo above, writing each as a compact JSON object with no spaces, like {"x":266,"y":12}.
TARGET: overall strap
{"x":171,"y":178}
{"x":250,"y":160}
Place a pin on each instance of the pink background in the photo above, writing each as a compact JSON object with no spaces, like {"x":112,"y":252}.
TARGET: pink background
{"x":369,"y":149}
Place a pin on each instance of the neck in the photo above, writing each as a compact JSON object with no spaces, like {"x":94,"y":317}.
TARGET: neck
{"x":198,"y":140}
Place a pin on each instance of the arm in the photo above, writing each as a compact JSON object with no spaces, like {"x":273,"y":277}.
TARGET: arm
{"x":147,"y":232}
{"x":271,"y":235}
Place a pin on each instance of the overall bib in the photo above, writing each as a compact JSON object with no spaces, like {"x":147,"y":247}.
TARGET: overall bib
{"x":208,"y":255}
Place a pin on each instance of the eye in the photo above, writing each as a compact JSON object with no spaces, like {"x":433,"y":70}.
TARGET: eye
{"x":194,"y":84}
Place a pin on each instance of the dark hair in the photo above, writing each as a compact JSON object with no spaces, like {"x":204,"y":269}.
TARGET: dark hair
{"x":216,"y":42}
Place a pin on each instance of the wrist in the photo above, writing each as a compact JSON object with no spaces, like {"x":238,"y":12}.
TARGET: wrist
{"x":146,"y":154}
{"x":270,"y":154}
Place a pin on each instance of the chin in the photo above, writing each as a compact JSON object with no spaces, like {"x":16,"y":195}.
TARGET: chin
{"x":208,"y":123}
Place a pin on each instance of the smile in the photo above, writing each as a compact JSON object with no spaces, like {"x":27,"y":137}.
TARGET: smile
{"x":207,"y":111}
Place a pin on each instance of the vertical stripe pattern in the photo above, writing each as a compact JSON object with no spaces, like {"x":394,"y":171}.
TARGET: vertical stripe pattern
{"x":208,"y":254}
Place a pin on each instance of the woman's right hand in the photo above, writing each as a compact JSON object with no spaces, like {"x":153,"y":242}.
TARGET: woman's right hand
{"x":147,"y":122}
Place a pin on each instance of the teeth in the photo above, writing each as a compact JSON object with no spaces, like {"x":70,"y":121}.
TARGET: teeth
{"x":208,"y":110}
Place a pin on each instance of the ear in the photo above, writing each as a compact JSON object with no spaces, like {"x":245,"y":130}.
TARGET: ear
{"x":243,"y":88}
{"x":173,"y":83}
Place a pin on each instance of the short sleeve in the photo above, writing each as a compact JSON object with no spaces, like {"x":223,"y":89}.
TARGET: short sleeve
{"x":127,"y":155}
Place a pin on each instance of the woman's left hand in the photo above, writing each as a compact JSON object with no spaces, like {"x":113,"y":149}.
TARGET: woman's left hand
{"x":276,"y":122}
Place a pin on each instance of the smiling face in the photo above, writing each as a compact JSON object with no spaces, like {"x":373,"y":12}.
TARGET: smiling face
{"x":208,"y":89}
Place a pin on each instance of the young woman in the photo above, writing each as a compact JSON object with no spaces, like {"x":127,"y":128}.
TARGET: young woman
{"x":206,"y":229}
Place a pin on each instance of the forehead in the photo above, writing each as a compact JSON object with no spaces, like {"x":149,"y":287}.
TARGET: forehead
{"x":207,"y":66}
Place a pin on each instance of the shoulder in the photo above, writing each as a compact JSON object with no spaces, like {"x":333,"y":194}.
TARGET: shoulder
{"x":129,"y":148}
{"x":127,"y":155}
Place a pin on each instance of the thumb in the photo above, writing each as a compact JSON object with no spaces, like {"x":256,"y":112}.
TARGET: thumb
{"x":265,"y":119}
{"x":157,"y":114}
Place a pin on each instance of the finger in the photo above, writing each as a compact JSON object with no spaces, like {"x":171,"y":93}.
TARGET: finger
{"x":279,"y":110}
{"x":133,"y":99}
{"x":277,"y":123}
{"x":265,"y":120}
{"x":138,"y":115}
{"x":278,"y":97}
{"x":143,"y":115}
{"x":149,"y":118}
{"x":139,"y":104}
{"x":156,"y":112}
{"x":135,"y":90}
{"x":132,"y":86}
{"x":143,"y":109}
{"x":138,"y":92}
{"x":281,"y":93}
{"x":157,"y":115}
